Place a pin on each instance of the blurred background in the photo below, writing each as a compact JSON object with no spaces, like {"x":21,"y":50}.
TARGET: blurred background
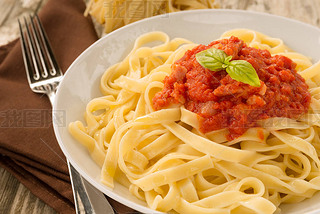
{"x":307,"y":11}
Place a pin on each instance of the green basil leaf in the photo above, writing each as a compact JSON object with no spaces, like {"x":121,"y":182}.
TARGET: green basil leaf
{"x":227,"y":60}
{"x":240,"y":70}
{"x":213,"y":59}
{"x":243,"y":71}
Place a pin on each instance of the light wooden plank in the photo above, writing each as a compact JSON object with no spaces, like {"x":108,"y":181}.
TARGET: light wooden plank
{"x":307,"y":11}
{"x":16,"y":198}
{"x":8,"y":189}
{"x":38,"y":207}
{"x":21,"y":196}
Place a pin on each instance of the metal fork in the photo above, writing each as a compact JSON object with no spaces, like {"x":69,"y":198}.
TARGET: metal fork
{"x":44,"y":75}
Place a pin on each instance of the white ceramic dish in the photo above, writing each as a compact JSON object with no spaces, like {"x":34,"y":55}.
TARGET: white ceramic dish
{"x":81,"y":82}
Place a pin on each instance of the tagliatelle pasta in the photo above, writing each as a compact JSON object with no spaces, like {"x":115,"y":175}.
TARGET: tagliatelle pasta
{"x":117,"y":13}
{"x":163,"y":158}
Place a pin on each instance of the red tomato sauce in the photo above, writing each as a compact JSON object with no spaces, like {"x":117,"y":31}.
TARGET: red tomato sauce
{"x":222,"y":102}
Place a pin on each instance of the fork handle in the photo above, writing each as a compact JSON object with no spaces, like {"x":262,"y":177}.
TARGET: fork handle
{"x":81,"y":199}
{"x":51,"y":95}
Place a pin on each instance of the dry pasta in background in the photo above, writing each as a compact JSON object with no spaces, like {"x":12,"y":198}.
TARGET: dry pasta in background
{"x":117,"y":13}
{"x":164,"y":160}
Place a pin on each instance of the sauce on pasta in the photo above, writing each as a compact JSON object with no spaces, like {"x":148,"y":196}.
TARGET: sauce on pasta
{"x":222,"y":102}
{"x":163,"y":158}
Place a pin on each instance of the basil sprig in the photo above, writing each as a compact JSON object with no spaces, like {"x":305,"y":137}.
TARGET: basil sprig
{"x":240,"y":70}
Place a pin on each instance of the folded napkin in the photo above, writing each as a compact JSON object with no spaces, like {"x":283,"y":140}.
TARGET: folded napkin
{"x":28,"y":146}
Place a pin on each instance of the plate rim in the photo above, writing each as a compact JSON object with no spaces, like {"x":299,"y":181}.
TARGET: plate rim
{"x":101,"y":187}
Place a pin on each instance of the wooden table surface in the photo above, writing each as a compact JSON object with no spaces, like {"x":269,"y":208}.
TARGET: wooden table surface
{"x":15,"y":198}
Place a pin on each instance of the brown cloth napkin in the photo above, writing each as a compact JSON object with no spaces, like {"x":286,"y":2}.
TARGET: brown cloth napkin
{"x":28,"y":146}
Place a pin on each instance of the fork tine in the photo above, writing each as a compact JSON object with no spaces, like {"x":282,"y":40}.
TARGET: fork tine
{"x":37,"y":42}
{"x":31,"y":45}
{"x":26,"y":54}
{"x":48,"y":50}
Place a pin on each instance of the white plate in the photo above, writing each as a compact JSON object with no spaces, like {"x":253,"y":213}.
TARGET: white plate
{"x":81,"y":82}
